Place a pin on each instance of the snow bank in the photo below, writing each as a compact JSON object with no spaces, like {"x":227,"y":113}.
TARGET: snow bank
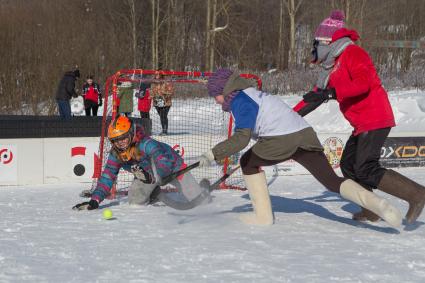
{"x":408,"y":107}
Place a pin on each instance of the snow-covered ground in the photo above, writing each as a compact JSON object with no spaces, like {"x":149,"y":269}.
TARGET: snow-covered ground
{"x":313,"y":239}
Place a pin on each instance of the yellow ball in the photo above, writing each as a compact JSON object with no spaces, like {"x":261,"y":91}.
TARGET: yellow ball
{"x":107,"y":214}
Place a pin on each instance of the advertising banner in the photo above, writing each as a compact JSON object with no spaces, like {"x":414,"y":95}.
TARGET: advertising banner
{"x":400,"y":152}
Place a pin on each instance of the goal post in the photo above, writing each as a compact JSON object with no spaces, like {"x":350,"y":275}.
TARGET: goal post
{"x":195,"y":122}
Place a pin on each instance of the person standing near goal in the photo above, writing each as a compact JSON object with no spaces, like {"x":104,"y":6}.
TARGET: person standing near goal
{"x":349,"y":76}
{"x":161,"y":92}
{"x":148,"y":159}
{"x":281,"y":134}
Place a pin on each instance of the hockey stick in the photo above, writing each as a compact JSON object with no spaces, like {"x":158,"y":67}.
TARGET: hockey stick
{"x":164,"y":181}
{"x":174,"y":175}
{"x":200,"y":198}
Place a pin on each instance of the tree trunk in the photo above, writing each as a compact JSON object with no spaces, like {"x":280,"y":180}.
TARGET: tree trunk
{"x":347,"y":11}
{"x":157,"y":35}
{"x":133,"y":29}
{"x":291,"y":12}
{"x":153,"y":38}
{"x":208,"y":36}
{"x":212,"y":43}
{"x":280,"y":37}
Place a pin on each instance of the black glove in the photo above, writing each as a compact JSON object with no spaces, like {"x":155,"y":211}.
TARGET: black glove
{"x":100,"y":102}
{"x":87,"y":205}
{"x":320,"y":95}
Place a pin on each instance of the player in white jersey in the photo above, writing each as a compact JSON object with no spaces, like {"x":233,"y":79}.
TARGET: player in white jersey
{"x":281,"y":134}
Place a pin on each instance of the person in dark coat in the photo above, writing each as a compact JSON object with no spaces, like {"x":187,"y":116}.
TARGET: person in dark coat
{"x":349,"y":76}
{"x":66,"y":90}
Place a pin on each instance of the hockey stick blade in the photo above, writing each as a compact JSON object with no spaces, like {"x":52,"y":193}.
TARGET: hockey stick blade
{"x":223,"y":178}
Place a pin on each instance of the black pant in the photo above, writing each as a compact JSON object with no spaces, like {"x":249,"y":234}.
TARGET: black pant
{"x":90,"y":106}
{"x":144,"y":115}
{"x":163,"y":115}
{"x":314,"y":161}
{"x":360,"y":158}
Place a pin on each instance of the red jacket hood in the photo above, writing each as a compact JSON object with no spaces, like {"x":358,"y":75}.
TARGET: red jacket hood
{"x":343,"y":32}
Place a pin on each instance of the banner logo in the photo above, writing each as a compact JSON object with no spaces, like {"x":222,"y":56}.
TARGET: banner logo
{"x":6,"y":156}
{"x":333,"y":150}
{"x":79,"y":168}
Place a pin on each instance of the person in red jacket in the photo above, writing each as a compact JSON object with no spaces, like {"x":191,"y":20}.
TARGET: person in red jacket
{"x":144,"y":104}
{"x":349,"y":76}
{"x":92,"y":96}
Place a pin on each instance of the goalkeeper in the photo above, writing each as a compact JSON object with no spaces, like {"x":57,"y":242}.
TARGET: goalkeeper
{"x":148,"y":159}
{"x":281,"y":135}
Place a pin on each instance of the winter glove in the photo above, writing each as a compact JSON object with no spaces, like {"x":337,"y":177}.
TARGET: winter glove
{"x":142,"y":175}
{"x":87,"y":205}
{"x":206,"y":159}
{"x":100,"y":102}
{"x":320,"y":95}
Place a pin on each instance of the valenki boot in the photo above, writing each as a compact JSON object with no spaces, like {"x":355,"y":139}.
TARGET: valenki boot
{"x":352,"y":191}
{"x":260,"y":198}
{"x":395,"y":184}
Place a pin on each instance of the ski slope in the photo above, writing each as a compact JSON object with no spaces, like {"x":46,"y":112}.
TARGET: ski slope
{"x":313,"y":239}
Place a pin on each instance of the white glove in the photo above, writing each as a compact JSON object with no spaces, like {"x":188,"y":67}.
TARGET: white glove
{"x":206,"y":159}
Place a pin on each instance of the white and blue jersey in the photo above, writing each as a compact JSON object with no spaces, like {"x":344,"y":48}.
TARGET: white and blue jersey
{"x":265,"y":114}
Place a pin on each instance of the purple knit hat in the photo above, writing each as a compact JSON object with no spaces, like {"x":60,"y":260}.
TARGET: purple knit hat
{"x":217,"y":81}
{"x":330,"y":25}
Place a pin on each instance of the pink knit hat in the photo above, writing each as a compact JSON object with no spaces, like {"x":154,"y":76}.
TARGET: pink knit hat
{"x":330,"y":25}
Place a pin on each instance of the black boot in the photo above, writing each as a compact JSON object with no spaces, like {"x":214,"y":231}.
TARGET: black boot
{"x":402,"y":187}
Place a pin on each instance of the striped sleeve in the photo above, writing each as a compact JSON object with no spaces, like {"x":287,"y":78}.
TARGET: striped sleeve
{"x":107,"y":179}
{"x":158,"y":153}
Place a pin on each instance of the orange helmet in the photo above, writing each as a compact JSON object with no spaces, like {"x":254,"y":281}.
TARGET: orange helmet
{"x":120,"y":128}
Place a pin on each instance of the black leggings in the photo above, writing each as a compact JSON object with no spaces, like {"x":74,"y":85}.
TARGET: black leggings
{"x":93,"y":108}
{"x":314,"y":161}
{"x":163,"y":115}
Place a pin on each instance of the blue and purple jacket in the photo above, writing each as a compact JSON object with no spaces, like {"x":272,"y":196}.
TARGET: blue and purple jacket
{"x":146,"y":150}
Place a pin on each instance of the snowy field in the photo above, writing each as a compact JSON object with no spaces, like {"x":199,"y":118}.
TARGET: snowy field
{"x":313,"y":239}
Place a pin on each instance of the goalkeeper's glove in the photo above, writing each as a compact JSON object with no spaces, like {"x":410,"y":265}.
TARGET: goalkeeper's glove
{"x":87,"y":205}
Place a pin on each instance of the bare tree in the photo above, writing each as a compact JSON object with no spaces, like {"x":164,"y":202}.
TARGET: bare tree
{"x":155,"y":33}
{"x":292,"y":7}
{"x":212,"y":29}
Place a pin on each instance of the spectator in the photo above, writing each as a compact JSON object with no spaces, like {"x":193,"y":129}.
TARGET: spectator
{"x":66,"y":90}
{"x":92,"y":96}
{"x":161,"y":92}
{"x":125,"y":96}
{"x":144,"y":106}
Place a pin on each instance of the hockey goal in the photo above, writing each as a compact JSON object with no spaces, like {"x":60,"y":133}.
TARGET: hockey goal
{"x":195,"y":122}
